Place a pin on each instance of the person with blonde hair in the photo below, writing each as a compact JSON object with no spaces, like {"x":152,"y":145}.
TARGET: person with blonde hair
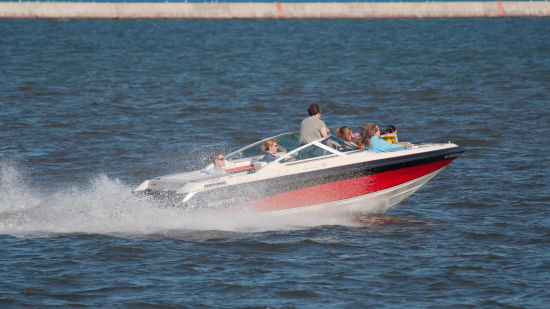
{"x":270,"y":147}
{"x":370,"y":140}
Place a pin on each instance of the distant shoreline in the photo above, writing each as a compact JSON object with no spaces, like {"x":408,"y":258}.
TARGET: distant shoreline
{"x":271,"y":10}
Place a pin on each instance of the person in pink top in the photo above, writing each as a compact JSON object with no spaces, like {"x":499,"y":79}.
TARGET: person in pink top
{"x":346,"y":134}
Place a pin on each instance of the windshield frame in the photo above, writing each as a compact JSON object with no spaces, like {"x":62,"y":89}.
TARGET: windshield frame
{"x":291,"y":157}
{"x":283,"y":149}
{"x":285,"y":153}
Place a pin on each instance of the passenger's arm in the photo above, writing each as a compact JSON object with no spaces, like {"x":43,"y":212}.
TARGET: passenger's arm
{"x":407,"y":145}
{"x":394,"y":147}
{"x":379,"y":145}
{"x":324,"y":131}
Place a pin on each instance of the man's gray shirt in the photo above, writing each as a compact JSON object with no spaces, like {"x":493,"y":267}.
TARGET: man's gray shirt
{"x":310,"y":130}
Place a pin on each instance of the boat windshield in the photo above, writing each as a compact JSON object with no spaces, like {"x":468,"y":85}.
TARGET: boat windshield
{"x":339,"y":144}
{"x":287,"y":142}
{"x":334,"y":144}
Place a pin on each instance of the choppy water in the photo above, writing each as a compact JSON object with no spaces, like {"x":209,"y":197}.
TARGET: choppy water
{"x":89,"y":109}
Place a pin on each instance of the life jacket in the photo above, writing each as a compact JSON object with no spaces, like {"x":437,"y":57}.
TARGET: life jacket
{"x":388,"y":137}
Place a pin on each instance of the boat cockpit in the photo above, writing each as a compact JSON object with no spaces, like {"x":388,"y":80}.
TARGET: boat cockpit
{"x":289,"y":152}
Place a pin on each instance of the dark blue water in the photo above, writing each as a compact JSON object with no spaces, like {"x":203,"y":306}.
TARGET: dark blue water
{"x":89,"y":109}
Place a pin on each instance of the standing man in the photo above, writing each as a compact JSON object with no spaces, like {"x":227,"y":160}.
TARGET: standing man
{"x":312,"y":128}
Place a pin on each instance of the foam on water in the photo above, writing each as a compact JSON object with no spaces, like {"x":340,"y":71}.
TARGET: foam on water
{"x":107,"y":206}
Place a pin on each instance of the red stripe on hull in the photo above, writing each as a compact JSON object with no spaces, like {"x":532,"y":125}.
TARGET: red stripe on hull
{"x":240,"y":168}
{"x":344,"y":189}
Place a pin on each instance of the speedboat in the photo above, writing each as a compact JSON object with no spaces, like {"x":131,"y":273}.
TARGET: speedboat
{"x":328,"y":175}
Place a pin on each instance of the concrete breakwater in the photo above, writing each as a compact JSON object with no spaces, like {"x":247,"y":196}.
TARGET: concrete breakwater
{"x":274,"y":10}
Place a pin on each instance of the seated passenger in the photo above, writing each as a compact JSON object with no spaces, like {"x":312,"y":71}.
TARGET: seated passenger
{"x":218,"y":165}
{"x":370,"y":140}
{"x":270,"y":147}
{"x":390,"y":136}
{"x":362,"y":128}
{"x":362,"y":137}
{"x":346,"y":134}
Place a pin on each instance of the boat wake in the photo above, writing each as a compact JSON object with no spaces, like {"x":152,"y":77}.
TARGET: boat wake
{"x":106,"y":206}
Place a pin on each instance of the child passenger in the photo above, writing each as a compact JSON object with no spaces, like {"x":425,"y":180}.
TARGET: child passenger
{"x":370,"y":140}
{"x":362,"y":128}
{"x":390,"y":136}
{"x":346,"y":134}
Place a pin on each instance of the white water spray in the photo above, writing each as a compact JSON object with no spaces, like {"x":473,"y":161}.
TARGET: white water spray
{"x":107,"y":206}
